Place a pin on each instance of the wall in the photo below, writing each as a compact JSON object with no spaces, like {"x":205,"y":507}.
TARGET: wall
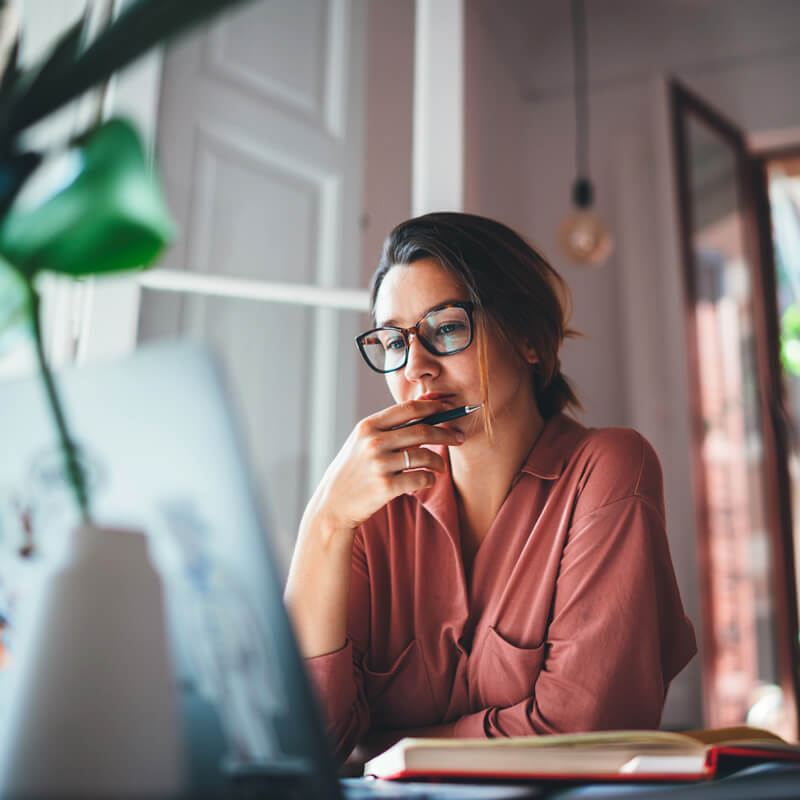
{"x":630,"y":366}
{"x":494,"y":184}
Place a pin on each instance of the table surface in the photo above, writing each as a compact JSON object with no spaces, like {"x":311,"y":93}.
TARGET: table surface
{"x":769,"y":781}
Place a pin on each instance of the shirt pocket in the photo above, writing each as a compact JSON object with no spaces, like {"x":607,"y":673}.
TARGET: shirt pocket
{"x":504,"y":673}
{"x":401,"y":696}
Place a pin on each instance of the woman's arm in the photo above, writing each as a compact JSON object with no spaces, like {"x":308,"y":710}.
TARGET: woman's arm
{"x":328,"y":574}
{"x":319,"y":582}
{"x":367,"y":473}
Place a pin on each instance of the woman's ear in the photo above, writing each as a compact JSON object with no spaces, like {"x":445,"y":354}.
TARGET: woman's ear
{"x":529,"y":354}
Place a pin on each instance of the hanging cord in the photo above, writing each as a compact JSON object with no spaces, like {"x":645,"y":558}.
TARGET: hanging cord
{"x":579,"y":58}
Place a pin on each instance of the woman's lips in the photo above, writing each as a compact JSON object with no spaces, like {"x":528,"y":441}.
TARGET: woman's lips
{"x":434,"y":396}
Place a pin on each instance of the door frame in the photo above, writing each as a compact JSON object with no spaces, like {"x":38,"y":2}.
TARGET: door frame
{"x":758,"y":246}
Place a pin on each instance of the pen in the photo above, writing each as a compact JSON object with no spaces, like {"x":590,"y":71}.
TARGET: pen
{"x":441,"y":416}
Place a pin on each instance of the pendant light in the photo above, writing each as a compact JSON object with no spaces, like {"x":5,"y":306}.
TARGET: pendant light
{"x":583,"y":236}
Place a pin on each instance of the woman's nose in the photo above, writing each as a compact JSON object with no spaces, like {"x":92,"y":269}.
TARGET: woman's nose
{"x":420,"y":362}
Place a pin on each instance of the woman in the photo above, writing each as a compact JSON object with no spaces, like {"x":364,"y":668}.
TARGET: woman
{"x":506,"y":573}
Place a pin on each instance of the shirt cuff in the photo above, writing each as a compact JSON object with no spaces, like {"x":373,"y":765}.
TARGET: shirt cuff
{"x":332,"y":675}
{"x":471,"y":726}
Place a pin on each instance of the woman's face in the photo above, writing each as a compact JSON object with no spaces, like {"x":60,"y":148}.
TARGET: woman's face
{"x":407,"y":293}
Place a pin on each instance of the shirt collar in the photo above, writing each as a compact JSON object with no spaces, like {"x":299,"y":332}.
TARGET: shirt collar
{"x":549,"y":455}
{"x":552,"y":449}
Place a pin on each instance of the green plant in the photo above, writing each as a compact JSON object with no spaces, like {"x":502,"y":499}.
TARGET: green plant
{"x":108,"y":213}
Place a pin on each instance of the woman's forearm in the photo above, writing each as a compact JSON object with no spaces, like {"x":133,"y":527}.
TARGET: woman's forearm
{"x":318,"y":584}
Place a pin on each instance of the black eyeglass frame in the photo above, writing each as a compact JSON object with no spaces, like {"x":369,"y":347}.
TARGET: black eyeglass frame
{"x":467,"y":305}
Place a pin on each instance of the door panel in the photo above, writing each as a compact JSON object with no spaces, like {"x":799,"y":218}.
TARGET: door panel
{"x":287,"y":64}
{"x":253,"y":214}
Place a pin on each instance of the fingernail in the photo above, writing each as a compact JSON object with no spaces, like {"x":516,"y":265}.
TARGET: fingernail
{"x":459,"y":436}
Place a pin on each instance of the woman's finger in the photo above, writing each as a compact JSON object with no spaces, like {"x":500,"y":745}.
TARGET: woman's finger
{"x":401,"y":413}
{"x":414,"y":480}
{"x":417,"y":435}
{"x":418,"y":458}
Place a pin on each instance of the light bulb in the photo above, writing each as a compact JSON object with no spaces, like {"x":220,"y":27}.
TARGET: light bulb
{"x":583,"y":236}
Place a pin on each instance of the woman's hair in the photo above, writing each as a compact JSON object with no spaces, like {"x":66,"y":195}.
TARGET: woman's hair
{"x":514,"y":290}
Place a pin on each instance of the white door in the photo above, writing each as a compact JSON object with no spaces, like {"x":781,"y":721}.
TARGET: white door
{"x":260,"y":146}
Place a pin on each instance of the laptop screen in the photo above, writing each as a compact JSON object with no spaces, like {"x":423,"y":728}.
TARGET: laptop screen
{"x":158,"y":443}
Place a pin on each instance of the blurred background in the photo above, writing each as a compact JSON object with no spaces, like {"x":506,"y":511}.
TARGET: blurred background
{"x":293,"y":134}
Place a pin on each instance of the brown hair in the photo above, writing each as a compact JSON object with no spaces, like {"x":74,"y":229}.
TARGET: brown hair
{"x":515,"y":291}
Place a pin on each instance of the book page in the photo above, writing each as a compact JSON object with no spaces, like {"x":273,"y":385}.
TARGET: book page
{"x":740,"y":733}
{"x":664,"y":765}
{"x":635,"y":739}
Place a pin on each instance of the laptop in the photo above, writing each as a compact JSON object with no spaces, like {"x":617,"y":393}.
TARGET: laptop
{"x":162,"y":454}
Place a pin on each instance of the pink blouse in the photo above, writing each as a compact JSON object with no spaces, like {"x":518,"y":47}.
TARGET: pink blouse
{"x":571,"y":619}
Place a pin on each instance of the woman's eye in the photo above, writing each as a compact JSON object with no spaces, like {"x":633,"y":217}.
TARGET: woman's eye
{"x":398,"y":343}
{"x":449,"y":328}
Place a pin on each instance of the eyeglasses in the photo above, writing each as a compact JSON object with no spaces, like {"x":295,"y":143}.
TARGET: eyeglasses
{"x":443,"y":331}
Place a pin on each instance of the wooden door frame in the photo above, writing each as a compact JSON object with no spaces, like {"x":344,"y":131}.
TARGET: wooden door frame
{"x":751,"y":179}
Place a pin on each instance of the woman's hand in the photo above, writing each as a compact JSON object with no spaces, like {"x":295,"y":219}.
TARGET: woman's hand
{"x":368,"y":472}
{"x":371,"y":468}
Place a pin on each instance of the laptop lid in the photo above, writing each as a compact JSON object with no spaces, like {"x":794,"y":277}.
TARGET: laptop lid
{"x":160,"y":447}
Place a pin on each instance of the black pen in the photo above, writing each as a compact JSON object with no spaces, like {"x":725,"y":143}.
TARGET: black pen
{"x":441,"y":416}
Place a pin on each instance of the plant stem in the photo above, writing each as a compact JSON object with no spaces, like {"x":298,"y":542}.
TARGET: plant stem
{"x":75,"y":474}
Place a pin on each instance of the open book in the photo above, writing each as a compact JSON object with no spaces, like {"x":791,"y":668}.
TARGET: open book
{"x":613,"y":755}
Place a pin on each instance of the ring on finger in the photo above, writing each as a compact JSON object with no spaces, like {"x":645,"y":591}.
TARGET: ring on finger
{"x":408,"y":460}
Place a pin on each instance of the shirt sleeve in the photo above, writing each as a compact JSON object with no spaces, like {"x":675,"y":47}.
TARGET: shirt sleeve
{"x":338,"y":677}
{"x":618,"y":633}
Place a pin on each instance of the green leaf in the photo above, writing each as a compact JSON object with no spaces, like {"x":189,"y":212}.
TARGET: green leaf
{"x":108,"y":214}
{"x":11,"y":73}
{"x":142,"y":24}
{"x":790,"y":339}
{"x":35,"y":82}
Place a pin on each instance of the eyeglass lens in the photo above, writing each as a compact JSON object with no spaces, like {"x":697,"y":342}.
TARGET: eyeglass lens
{"x":445,"y":330}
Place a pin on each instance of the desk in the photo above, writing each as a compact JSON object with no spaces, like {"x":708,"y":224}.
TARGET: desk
{"x":774,"y":781}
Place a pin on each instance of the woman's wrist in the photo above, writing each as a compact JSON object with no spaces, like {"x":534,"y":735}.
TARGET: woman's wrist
{"x":326,"y":528}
